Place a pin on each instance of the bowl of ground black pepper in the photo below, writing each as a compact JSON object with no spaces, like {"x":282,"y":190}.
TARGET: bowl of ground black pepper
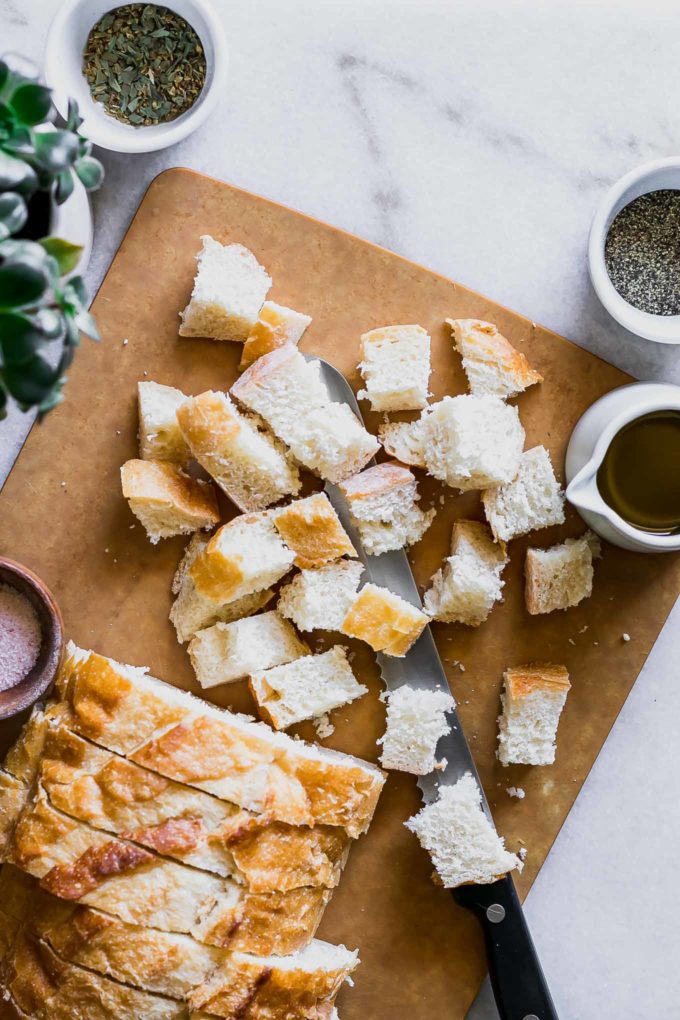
{"x":634,"y":251}
{"x":144,"y":75}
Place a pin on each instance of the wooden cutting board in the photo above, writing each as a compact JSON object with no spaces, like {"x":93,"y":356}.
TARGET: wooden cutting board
{"x":421,"y":955}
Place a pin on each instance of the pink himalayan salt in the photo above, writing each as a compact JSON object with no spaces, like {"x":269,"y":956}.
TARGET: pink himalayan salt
{"x":20,"y":637}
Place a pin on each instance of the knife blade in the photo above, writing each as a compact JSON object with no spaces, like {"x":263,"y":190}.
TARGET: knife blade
{"x":519,"y":986}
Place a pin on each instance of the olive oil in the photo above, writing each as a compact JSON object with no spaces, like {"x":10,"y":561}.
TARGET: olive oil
{"x":639,"y":477}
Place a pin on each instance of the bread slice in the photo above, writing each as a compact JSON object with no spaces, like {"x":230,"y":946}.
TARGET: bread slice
{"x":561,"y":576}
{"x":462,"y":842}
{"x":305,"y":688}
{"x":193,"y":611}
{"x":384,"y":621}
{"x":159,"y":434}
{"x":247,"y":462}
{"x":532,"y":701}
{"x":312,"y":529}
{"x":229,"y":290}
{"x":383,"y":505}
{"x":492,"y":365}
{"x":18,"y":775}
{"x":469,"y":584}
{"x":249,"y":987}
{"x":532,"y":500}
{"x":405,"y":440}
{"x":186,"y":739}
{"x":416,"y":719}
{"x":229,"y":651}
{"x":244,"y":556}
{"x":166,"y":501}
{"x":289,"y":393}
{"x":276,"y":326}
{"x":395,"y":365}
{"x":320,"y":599}
{"x":473,"y":442}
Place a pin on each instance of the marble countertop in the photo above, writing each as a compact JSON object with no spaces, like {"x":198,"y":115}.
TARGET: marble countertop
{"x":476,"y":138}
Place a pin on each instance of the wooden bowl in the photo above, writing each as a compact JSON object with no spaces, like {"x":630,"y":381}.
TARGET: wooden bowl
{"x":41,"y":677}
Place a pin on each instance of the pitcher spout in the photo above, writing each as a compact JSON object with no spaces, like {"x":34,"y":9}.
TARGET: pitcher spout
{"x":583,"y":493}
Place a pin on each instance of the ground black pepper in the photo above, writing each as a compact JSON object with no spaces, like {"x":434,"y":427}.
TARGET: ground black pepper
{"x":642,"y":252}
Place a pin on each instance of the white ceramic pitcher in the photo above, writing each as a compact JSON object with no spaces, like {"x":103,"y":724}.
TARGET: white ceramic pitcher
{"x":587,"y":447}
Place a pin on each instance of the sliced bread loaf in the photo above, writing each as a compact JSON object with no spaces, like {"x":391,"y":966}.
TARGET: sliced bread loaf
{"x":289,"y":393}
{"x":305,"y":688}
{"x":228,"y":651}
{"x":383,"y":504}
{"x":492,"y":365}
{"x":229,"y":290}
{"x":320,"y":599}
{"x":395,"y":365}
{"x":469,"y":584}
{"x":247,"y":462}
{"x":166,"y":501}
{"x":416,"y":719}
{"x":561,"y":576}
{"x":159,"y":433}
{"x":532,"y":500}
{"x":385,"y":621}
{"x":276,"y":326}
{"x":312,"y":530}
{"x":532,"y":701}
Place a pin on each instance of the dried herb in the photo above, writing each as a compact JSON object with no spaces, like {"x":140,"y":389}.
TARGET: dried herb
{"x":144,"y":64}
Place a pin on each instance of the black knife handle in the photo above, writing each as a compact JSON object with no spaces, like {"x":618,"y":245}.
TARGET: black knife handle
{"x":517,"y":980}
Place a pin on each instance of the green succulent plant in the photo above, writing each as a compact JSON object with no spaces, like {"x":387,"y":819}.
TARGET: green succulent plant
{"x":40,"y":306}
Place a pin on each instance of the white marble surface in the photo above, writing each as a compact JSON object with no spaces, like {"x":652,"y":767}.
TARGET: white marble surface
{"x":476,"y":137}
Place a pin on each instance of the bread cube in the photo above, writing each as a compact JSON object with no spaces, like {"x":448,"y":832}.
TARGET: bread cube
{"x":462,"y":842}
{"x":312,"y":529}
{"x":320,"y":599}
{"x":243,"y":556}
{"x":416,"y":719}
{"x":160,"y":437}
{"x":561,"y":576}
{"x":166,"y":501}
{"x":473,"y":442}
{"x":395,"y":365}
{"x":276,"y":326}
{"x":229,"y":651}
{"x":492,"y":365}
{"x":383,"y":505}
{"x":229,"y":289}
{"x":532,"y":500}
{"x":469,"y":584}
{"x":404,"y":440}
{"x":384,"y":621}
{"x":532,"y":701}
{"x":247,"y":462}
{"x":192,"y":611}
{"x":305,"y":688}
{"x":289,"y":393}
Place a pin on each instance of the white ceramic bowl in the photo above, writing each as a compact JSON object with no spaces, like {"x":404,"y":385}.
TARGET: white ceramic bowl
{"x":655,"y":176}
{"x":63,"y":73}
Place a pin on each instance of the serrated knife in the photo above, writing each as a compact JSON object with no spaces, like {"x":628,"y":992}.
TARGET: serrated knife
{"x":517,"y":979}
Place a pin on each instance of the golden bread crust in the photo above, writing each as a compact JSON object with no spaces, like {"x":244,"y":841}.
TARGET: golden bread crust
{"x":521,"y":681}
{"x":376,"y":481}
{"x":384,"y":621}
{"x":165,"y":484}
{"x":312,"y":530}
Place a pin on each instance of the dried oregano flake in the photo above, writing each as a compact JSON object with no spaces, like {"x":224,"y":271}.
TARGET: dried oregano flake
{"x":144,"y":64}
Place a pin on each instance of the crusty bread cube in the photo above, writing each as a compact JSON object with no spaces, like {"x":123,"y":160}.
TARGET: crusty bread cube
{"x":229,"y":289}
{"x":473,"y":442}
{"x":532,"y":701}
{"x":228,"y":651}
{"x":416,"y":719}
{"x":561,"y":576}
{"x":395,"y":365}
{"x":276,"y":326}
{"x":462,"y":842}
{"x":492,"y":365}
{"x":385,"y":621}
{"x":288,"y":392}
{"x":312,"y":529}
{"x":469,"y":584}
{"x":247,"y":462}
{"x":165,"y":500}
{"x":305,"y":688}
{"x":243,"y":556}
{"x":405,"y":440}
{"x":192,"y":611}
{"x":383,"y":505}
{"x":320,"y":599}
{"x":532,"y":500}
{"x":159,"y":433}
